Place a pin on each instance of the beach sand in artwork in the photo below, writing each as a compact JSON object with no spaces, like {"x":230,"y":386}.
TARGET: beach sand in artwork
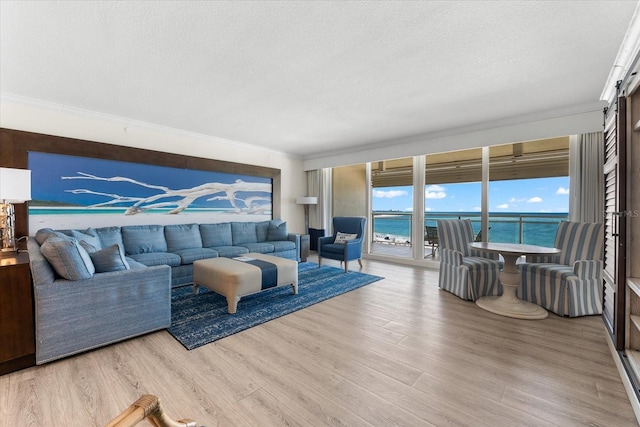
{"x":80,"y":222}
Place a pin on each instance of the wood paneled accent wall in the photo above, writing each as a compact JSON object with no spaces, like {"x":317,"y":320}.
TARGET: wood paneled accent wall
{"x":15,"y":146}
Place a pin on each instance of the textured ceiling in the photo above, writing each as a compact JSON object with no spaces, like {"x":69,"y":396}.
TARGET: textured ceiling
{"x":309,"y":78}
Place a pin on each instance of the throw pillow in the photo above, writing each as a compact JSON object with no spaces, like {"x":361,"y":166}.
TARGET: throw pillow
{"x":342,"y":238}
{"x":44,"y":233}
{"x":109,"y":259}
{"x":68,"y":258}
{"x":87,"y":247}
{"x":277,"y":231}
{"x":89,"y":236}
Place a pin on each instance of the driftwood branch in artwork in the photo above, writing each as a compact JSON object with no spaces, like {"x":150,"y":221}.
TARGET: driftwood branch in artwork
{"x":185,"y":196}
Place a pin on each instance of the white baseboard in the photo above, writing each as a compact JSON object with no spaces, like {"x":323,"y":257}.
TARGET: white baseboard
{"x":633,"y":398}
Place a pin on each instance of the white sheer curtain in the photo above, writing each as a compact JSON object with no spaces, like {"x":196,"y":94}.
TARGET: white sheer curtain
{"x":586,"y":180}
{"x":319,"y":185}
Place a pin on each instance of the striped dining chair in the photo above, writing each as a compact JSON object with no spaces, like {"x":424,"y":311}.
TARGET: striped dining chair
{"x":568,"y":284}
{"x":467,"y":273}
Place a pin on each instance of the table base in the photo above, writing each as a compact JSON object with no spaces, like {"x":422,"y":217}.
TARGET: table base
{"x":517,"y":309}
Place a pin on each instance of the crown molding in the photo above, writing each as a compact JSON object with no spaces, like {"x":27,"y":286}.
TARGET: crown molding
{"x":625,"y":59}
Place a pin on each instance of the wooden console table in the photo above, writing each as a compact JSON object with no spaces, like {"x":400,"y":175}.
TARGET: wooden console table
{"x":16,"y":313}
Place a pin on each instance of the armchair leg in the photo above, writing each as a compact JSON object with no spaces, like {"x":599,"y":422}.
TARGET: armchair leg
{"x":360,"y":262}
{"x":346,"y":266}
{"x":319,"y":261}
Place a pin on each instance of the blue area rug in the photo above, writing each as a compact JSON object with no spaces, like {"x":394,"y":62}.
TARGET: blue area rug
{"x":197,"y":320}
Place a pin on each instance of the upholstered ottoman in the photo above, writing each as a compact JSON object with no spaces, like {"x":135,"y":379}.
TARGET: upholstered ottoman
{"x":234,"y":278}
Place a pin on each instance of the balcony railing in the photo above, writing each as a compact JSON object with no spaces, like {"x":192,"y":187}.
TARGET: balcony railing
{"x":529,"y":228}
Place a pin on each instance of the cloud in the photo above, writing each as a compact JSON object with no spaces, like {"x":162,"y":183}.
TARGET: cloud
{"x":477,"y":208}
{"x":503,"y":206}
{"x":562,"y":191}
{"x":428,"y":209}
{"x":535,"y":200}
{"x":408,"y":209}
{"x":389,"y":194}
{"x":435,"y":192}
{"x":435,"y":187}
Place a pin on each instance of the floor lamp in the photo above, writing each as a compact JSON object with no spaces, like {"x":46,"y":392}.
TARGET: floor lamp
{"x":15,"y":187}
{"x":306,"y":201}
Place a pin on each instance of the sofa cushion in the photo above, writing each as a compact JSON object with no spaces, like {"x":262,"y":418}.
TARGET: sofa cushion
{"x":216,"y":235}
{"x":283,"y":245}
{"x":182,"y":236}
{"x":478,"y":263}
{"x":188,"y":256}
{"x":44,"y":233}
{"x":68,"y":258}
{"x":89,"y":236}
{"x":277,"y":230}
{"x":333,"y":248}
{"x":109,"y":236}
{"x":230,"y":251}
{"x":157,"y":258}
{"x":109,"y":259}
{"x":243,"y":232}
{"x":261,"y":248}
{"x":143,"y":239}
{"x":262,"y":231}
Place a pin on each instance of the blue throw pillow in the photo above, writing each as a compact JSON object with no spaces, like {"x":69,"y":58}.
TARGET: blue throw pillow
{"x":277,"y":231}
{"x":109,"y":259}
{"x":68,"y":258}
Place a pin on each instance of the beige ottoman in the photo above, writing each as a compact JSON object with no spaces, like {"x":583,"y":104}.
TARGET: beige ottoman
{"x":235,"y":279}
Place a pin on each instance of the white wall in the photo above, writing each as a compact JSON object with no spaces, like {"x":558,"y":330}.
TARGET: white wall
{"x":532,"y":127}
{"x":51,"y":119}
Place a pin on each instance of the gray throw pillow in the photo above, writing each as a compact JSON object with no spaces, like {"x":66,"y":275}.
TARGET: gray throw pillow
{"x":89,"y":236}
{"x":109,"y":259}
{"x":70,"y":260}
{"x":44,"y":233}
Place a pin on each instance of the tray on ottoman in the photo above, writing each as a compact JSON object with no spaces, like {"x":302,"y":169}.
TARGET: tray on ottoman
{"x":237,"y":277}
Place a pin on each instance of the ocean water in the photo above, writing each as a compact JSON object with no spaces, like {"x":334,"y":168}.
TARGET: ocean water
{"x":529,"y":228}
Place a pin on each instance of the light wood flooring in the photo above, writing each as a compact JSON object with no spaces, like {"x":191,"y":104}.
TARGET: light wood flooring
{"x":396,"y":352}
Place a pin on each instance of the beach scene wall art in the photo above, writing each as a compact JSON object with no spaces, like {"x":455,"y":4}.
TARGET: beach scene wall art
{"x":80,"y":192}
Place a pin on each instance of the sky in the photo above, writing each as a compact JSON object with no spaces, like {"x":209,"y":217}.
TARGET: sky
{"x":523,"y":195}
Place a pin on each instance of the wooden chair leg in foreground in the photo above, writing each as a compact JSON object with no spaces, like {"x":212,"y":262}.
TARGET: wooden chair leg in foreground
{"x":148,"y":406}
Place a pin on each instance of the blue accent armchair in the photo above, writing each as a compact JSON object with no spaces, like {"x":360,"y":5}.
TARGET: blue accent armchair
{"x":350,"y":249}
{"x":569,"y":284}
{"x":466,"y":273}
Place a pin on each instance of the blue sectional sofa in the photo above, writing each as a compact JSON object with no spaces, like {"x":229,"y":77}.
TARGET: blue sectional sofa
{"x":97,"y":286}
